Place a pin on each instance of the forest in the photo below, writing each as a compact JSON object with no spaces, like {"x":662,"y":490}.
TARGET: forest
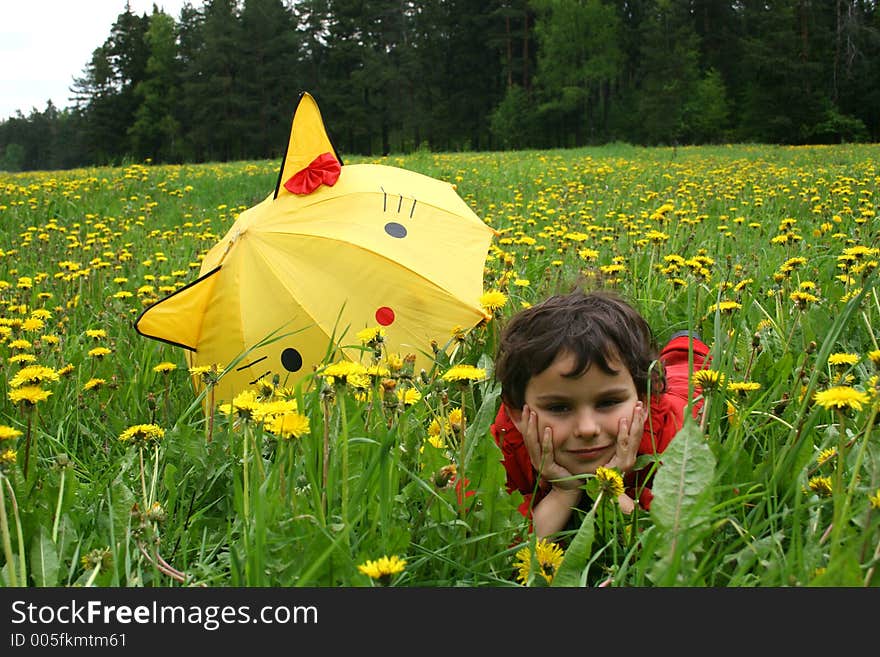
{"x":220,"y":81}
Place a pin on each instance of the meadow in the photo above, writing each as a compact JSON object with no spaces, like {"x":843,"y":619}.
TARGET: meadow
{"x":112,"y":473}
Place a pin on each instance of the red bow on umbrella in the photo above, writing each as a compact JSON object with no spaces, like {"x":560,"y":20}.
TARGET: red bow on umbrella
{"x":324,"y":169}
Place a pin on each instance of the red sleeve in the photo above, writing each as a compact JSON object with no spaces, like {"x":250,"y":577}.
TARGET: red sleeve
{"x":667,"y":409}
{"x":515,"y":458}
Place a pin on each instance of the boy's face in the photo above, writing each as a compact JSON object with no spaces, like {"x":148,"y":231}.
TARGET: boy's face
{"x":584,"y":413}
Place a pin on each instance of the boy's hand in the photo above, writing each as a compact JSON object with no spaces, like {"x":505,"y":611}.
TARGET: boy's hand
{"x":542,"y":454}
{"x":629,"y":437}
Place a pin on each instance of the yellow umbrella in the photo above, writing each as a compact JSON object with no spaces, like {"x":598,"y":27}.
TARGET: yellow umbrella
{"x":335,"y":249}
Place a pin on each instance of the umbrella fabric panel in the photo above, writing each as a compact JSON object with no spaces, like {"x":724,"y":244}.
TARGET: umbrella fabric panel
{"x":427,"y":240}
{"x":346,"y":289}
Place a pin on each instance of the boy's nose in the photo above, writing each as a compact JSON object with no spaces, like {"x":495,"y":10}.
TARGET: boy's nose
{"x":587,"y":426}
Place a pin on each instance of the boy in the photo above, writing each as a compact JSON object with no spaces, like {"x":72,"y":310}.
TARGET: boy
{"x":578,"y":373}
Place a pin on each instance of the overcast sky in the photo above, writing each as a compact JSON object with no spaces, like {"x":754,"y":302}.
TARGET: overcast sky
{"x":45,"y":44}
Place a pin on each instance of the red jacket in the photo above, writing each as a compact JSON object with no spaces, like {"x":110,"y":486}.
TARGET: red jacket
{"x":667,"y":417}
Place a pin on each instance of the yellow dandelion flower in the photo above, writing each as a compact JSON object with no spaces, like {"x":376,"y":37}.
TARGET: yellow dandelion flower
{"x":29,"y":395}
{"x":96,"y":334}
{"x":548,"y":556}
{"x":142,"y":435}
{"x":372,"y":335}
{"x":820,"y":485}
{"x":724,"y":307}
{"x":8,"y":433}
{"x":493,"y":300}
{"x":383,"y":568}
{"x":20,"y":359}
{"x":464,"y":373}
{"x":610,"y":481}
{"x":875,"y":499}
{"x":99,"y":352}
{"x":708,"y":380}
{"x":802,"y":299}
{"x":165,"y":367}
{"x":843,"y":359}
{"x":347,"y":373}
{"x":7,"y":458}
{"x":66,"y":370}
{"x":874,"y":357}
{"x":245,"y":405}
{"x":826,"y":455}
{"x":94,"y":384}
{"x":32,"y":324}
{"x":209,"y":374}
{"x":742,"y":388}
{"x":409,"y":396}
{"x":288,"y":425}
{"x":20,"y":344}
{"x":841,"y":398}
{"x":33,"y":375}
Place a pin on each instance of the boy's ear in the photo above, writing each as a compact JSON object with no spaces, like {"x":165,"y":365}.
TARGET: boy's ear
{"x":514,"y":414}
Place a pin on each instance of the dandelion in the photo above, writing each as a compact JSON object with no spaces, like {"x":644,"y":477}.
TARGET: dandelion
{"x":347,"y":373}
{"x":874,"y":357}
{"x":96,"y":334}
{"x":209,"y":374}
{"x":33,"y":324}
{"x":742,"y":388}
{"x":820,"y":485}
{"x":245,"y":405}
{"x":843,"y":359}
{"x":409,"y":396}
{"x":33,"y":375}
{"x":610,"y":482}
{"x":803,"y":299}
{"x":21,"y":359}
{"x":548,"y":556}
{"x":875,"y":499}
{"x":8,"y":458}
{"x":8,"y":433}
{"x":165,"y":367}
{"x":29,"y":395}
{"x":826,"y":455}
{"x":288,"y":425}
{"x":93,"y":384}
{"x":724,"y":307}
{"x":383,"y":568}
{"x":841,"y":398}
{"x":492,"y":301}
{"x":370,"y":336}
{"x":708,"y":380}
{"x":464,"y":373}
{"x":99,"y":352}
{"x":142,"y":435}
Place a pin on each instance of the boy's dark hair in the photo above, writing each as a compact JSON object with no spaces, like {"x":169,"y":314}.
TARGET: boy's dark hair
{"x":597,"y":327}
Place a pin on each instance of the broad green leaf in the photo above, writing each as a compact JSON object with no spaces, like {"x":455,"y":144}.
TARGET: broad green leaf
{"x":578,"y":553}
{"x":44,"y":560}
{"x":680,"y":487}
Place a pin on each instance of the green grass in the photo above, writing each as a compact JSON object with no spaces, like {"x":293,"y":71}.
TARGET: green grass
{"x":771,"y":489}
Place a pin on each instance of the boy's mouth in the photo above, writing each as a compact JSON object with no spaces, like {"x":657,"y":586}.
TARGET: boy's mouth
{"x":589,"y":454}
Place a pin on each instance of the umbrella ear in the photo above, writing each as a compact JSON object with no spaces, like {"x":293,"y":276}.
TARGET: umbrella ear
{"x":308,"y":141}
{"x":177,"y":319}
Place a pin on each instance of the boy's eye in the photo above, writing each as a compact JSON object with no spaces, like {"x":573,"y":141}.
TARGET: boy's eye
{"x":557,"y":408}
{"x":608,"y":403}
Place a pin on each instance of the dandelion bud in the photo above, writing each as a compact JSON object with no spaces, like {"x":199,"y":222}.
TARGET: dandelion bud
{"x":444,"y":476}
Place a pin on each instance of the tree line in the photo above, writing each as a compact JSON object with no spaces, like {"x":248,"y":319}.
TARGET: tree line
{"x":220,"y":81}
